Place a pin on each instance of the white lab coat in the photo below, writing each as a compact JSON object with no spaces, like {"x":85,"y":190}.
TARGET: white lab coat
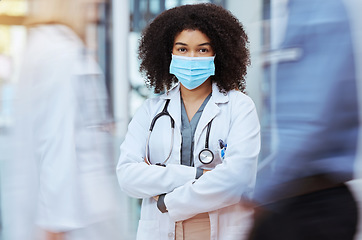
{"x":218,"y":192}
{"x":62,"y":175}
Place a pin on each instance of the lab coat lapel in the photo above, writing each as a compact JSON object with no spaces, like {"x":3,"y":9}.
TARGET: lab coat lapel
{"x":210,"y":111}
{"x":174,"y":107}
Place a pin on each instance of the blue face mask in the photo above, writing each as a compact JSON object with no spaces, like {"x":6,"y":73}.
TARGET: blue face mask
{"x":192,"y":71}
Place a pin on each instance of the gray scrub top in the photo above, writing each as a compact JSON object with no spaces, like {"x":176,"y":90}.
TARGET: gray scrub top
{"x":188,"y":131}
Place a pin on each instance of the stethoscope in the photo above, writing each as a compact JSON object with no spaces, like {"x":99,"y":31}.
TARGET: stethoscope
{"x":206,"y":156}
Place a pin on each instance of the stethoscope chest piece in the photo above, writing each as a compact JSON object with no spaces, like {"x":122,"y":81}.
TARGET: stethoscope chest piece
{"x":206,"y":156}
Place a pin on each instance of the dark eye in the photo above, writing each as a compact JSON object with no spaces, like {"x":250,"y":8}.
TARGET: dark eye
{"x":204,"y":50}
{"x":182,"y":49}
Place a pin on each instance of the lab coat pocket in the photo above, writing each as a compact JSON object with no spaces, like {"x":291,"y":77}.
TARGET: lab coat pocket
{"x":216,"y":161}
{"x":148,"y":230}
{"x":219,"y":156}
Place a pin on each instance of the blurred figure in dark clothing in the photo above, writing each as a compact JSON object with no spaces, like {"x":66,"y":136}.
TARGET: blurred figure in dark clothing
{"x":301,"y":187}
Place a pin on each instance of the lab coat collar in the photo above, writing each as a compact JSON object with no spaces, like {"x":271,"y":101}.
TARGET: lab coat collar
{"x":211,"y":110}
{"x":172,"y":92}
{"x":217,"y":96}
{"x":174,"y":107}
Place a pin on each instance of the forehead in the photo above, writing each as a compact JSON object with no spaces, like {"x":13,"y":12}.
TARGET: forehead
{"x":191,"y":36}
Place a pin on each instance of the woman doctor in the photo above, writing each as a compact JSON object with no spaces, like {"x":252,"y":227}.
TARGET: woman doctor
{"x":191,"y":152}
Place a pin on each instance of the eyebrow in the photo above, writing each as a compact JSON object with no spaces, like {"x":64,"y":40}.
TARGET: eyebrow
{"x":184,"y":44}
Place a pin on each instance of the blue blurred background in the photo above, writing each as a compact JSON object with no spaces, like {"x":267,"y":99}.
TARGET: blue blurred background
{"x":289,"y":109}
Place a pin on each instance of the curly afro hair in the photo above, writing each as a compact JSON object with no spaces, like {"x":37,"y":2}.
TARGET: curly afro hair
{"x":228,"y":40}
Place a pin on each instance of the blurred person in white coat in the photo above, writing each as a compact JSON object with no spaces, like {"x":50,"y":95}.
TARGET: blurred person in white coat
{"x":61,"y":183}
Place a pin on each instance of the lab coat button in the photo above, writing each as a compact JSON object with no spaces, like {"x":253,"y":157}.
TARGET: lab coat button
{"x":170,"y":234}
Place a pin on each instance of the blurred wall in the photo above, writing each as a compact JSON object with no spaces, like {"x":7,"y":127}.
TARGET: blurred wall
{"x":250,"y":15}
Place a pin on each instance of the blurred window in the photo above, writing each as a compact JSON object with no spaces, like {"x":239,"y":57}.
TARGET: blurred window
{"x":103,"y":48}
{"x":143,"y":11}
{"x":13,"y":7}
{"x":266,"y":85}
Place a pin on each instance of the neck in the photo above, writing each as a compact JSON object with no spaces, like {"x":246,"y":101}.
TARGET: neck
{"x":197,"y":94}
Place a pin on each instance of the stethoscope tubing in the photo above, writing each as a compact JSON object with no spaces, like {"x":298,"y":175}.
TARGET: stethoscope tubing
{"x":147,"y":147}
{"x":206,"y":151}
{"x":164,"y":112}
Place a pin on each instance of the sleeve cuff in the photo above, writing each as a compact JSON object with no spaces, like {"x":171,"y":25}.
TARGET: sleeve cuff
{"x":161,"y":203}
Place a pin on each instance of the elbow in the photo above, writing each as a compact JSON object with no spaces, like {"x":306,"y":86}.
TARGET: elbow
{"x":123,"y":179}
{"x":125,"y":182}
